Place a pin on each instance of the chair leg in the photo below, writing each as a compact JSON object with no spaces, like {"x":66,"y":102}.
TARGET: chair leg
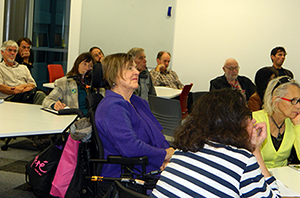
{"x":5,"y":146}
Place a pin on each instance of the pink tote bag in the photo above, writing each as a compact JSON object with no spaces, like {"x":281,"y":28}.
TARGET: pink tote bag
{"x":65,"y":169}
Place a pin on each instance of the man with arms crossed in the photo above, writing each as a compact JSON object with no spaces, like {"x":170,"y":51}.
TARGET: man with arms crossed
{"x":15,"y":78}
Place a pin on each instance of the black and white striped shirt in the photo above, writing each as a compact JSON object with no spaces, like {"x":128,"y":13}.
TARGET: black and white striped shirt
{"x":219,"y":171}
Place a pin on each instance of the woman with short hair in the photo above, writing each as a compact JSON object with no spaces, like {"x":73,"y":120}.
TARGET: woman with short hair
{"x":124,"y":121}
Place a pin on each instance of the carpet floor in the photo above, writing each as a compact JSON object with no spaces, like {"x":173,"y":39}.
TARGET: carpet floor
{"x":12,"y":168}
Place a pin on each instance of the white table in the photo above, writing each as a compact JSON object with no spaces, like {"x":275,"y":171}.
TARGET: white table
{"x":19,"y":119}
{"x":289,"y":177}
{"x":49,"y":85}
{"x":166,"y":92}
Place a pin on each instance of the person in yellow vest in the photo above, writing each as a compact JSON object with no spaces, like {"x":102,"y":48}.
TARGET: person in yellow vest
{"x":281,"y":111}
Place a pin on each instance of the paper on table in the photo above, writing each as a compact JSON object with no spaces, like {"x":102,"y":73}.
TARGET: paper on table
{"x":286,"y":192}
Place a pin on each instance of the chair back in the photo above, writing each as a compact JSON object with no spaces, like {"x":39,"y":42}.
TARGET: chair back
{"x":91,"y":103}
{"x":194,"y":98}
{"x":183,"y":98}
{"x":168,"y":114}
{"x":55,"y":71}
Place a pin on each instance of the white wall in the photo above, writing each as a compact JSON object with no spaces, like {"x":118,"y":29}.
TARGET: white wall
{"x":200,"y":34}
{"x":74,"y":32}
{"x":118,"y":25}
{"x":208,"y":32}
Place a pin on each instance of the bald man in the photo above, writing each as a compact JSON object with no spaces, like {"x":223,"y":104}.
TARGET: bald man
{"x":231,"y":79}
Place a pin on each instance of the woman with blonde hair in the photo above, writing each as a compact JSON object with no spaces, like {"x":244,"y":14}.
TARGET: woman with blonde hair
{"x":281,"y":113}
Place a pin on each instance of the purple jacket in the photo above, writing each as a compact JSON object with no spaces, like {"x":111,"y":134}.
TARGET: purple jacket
{"x":129,"y":131}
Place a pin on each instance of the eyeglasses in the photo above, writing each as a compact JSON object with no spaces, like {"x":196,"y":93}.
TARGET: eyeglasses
{"x":281,"y":81}
{"x":11,"y":50}
{"x":233,"y":68}
{"x":294,"y":101}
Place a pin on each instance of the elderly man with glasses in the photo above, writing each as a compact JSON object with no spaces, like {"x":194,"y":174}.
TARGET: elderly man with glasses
{"x":231,"y":79}
{"x":16,"y":82}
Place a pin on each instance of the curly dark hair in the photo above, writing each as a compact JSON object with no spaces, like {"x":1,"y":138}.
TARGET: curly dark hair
{"x":219,"y":116}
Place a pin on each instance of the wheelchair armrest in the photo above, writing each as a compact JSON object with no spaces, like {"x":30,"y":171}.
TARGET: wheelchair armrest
{"x":127,"y":161}
{"x":71,"y":111}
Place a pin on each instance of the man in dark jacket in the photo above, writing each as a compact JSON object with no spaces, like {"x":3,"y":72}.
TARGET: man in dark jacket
{"x":25,"y":54}
{"x":278,"y":57}
{"x":231,"y":79}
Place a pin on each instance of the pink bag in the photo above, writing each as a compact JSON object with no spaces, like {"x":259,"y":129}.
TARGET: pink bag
{"x":65,"y":169}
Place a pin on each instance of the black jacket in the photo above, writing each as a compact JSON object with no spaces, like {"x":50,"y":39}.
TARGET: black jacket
{"x":221,"y":83}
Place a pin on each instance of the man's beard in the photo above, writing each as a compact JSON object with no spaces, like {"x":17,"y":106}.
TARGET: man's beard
{"x":11,"y":60}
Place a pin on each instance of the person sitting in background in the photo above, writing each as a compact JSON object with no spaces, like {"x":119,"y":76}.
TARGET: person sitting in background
{"x":97,"y":54}
{"x":218,"y":152}
{"x":145,"y":83}
{"x":25,"y":54}
{"x":278,"y":55}
{"x":232,"y":79}
{"x":161,"y":75}
{"x":124,"y":121}
{"x":281,"y":110}
{"x":15,"y":78}
{"x":262,"y":78}
{"x":67,"y":90}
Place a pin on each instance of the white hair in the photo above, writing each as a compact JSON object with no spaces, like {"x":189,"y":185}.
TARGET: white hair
{"x":9,"y":43}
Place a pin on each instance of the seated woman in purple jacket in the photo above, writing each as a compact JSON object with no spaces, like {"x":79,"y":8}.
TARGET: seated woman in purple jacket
{"x":124,"y":121}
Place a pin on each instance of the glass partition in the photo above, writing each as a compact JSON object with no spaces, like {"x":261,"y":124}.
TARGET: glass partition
{"x":49,"y":36}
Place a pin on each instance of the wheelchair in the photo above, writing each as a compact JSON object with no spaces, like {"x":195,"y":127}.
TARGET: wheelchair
{"x":90,"y":183}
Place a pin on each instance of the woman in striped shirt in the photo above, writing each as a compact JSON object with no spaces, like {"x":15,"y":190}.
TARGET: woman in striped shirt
{"x":218,"y":152}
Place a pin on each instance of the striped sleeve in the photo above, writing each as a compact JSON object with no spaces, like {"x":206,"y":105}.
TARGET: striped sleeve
{"x":214,"y":172}
{"x":254,"y":184}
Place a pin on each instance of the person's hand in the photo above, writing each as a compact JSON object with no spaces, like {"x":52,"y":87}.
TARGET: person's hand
{"x":258,"y":135}
{"x":170,"y":151}
{"x":59,"y":105}
{"x":17,"y":89}
{"x":27,"y":89}
{"x":160,"y":67}
{"x":25,"y":54}
{"x":296,"y":120}
{"x":163,"y":166}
